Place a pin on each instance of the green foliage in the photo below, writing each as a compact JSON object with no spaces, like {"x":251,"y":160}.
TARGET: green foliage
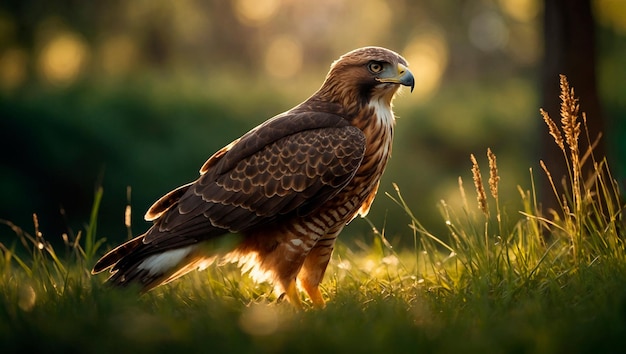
{"x":115,"y":136}
{"x":91,"y":242}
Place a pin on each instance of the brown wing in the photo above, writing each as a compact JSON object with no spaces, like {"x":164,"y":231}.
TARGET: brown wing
{"x":290,"y":164}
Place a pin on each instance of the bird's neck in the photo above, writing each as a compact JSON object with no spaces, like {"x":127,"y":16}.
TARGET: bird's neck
{"x":350,"y":106}
{"x":377,"y":115}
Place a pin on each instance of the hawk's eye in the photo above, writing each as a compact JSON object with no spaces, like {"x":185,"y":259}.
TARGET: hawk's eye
{"x":375,"y":67}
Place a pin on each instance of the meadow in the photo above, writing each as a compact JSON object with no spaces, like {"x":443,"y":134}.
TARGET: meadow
{"x":497,"y":281}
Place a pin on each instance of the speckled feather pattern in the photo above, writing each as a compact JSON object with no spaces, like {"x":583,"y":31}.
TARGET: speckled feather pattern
{"x":288,"y":187}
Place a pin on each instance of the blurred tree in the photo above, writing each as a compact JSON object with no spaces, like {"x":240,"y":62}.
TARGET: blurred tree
{"x":569,"y":49}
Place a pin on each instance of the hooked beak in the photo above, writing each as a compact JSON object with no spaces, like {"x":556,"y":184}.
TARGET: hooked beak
{"x":404,"y":77}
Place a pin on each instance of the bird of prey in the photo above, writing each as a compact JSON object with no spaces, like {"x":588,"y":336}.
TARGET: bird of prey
{"x":278,"y":196}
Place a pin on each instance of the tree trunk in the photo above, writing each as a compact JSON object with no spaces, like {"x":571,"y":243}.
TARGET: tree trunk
{"x":569,"y":49}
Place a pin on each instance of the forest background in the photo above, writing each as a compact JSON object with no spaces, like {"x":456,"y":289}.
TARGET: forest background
{"x":133,"y":96}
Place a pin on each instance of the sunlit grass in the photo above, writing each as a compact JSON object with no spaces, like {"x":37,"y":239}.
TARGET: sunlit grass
{"x":497,"y":280}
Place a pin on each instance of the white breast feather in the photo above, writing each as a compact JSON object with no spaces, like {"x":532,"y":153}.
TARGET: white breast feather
{"x":384,"y":113}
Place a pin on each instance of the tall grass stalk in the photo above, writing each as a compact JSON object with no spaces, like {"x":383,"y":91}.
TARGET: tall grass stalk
{"x":483,"y":253}
{"x":92,"y":243}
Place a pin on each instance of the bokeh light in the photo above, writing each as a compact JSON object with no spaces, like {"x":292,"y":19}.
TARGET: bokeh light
{"x":27,"y":297}
{"x":488,"y":32}
{"x":283,"y":57}
{"x":259,"y":320}
{"x":62,"y":58}
{"x":427,"y":54}
{"x":521,"y":10}
{"x":256,"y":12}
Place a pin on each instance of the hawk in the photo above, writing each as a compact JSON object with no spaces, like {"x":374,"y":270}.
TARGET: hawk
{"x":275,"y":200}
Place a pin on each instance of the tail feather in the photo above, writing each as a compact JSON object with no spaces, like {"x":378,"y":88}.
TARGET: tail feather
{"x":148,"y":279}
{"x":149,"y":265}
{"x":160,"y":256}
{"x":116,"y":254}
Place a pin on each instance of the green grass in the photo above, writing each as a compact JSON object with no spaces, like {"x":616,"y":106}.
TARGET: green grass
{"x":499,"y":281}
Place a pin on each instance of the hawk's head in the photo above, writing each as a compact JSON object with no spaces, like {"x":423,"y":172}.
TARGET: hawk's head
{"x":366,"y":74}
